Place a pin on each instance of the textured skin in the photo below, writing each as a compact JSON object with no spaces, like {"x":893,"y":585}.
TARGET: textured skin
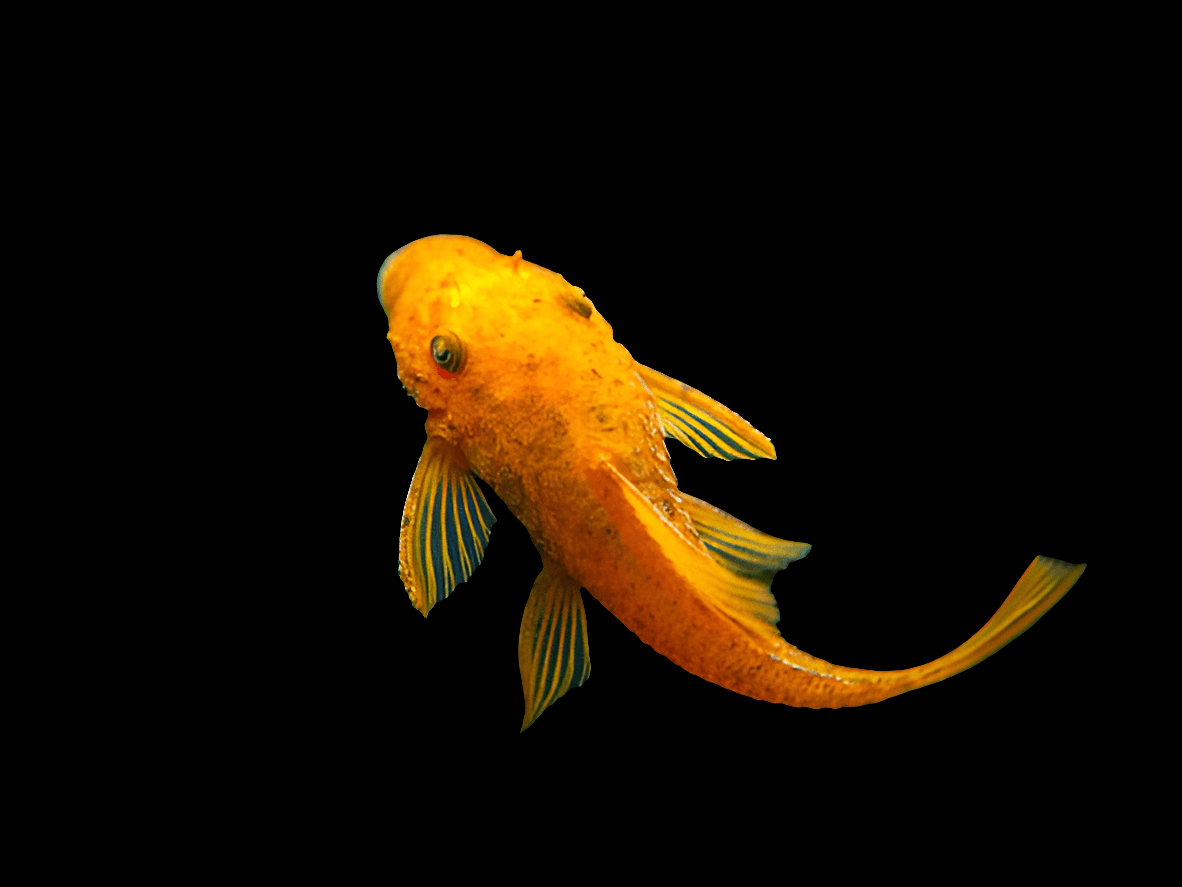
{"x":545,"y":393}
{"x":549,"y":411}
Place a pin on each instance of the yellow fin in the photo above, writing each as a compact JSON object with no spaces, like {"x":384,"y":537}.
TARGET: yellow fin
{"x":739,"y":547}
{"x":1044,"y":582}
{"x":445,"y":526}
{"x":747,"y":600}
{"x":702,"y":423}
{"x":552,"y":650}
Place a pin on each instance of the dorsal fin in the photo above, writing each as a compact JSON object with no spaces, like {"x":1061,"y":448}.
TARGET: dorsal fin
{"x":738,"y":546}
{"x":747,"y":600}
{"x":702,"y":423}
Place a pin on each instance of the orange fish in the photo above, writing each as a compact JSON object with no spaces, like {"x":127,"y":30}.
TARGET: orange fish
{"x":526,"y":388}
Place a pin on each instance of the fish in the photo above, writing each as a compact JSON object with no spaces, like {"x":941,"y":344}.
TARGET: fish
{"x":526,"y":389}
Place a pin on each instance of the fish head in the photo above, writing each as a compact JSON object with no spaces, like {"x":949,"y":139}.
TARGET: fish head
{"x":479,"y":336}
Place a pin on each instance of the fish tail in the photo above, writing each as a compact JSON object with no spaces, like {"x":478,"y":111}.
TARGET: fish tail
{"x":1044,"y":582}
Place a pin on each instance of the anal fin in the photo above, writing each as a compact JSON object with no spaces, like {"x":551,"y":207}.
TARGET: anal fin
{"x":552,"y":649}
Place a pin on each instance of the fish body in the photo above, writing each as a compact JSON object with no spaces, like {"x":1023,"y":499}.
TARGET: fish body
{"x":527,"y":389}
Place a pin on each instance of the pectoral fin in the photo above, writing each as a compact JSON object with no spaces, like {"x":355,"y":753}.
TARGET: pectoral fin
{"x":702,"y":423}
{"x":445,"y":526}
{"x":552,"y":649}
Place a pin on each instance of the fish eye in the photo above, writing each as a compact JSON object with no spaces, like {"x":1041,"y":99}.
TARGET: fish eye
{"x":448,"y":352}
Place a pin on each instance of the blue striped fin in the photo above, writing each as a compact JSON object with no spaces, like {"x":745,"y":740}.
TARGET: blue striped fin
{"x":740,"y":548}
{"x":445,"y":526}
{"x":552,"y":649}
{"x":702,"y":423}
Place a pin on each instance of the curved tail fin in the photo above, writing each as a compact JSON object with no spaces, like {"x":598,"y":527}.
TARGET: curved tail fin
{"x":1044,"y":582}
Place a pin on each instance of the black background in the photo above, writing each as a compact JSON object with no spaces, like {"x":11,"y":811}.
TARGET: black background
{"x":909,"y":283}
{"x":905,"y":305}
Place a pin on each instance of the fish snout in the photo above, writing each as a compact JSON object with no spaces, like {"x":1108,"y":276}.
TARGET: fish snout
{"x":383,"y":273}
{"x":391,"y":278}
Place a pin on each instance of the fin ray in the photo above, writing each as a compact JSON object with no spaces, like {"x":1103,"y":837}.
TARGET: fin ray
{"x":552,"y":649}
{"x":738,"y":546}
{"x":702,"y":423}
{"x":445,"y":526}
